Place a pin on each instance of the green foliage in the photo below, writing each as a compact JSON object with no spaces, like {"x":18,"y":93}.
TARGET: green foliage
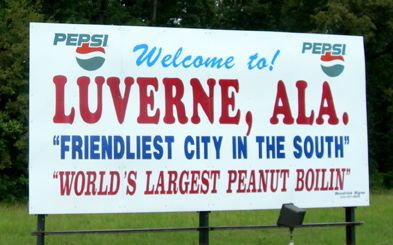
{"x":16,"y":226}
{"x":374,"y":21}
{"x":371,"y":19}
{"x":14,"y":49}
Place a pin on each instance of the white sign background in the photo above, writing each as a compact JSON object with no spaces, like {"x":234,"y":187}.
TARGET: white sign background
{"x":219,"y":175}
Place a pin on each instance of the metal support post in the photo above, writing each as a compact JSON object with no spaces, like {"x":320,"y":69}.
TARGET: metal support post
{"x":350,"y":230}
{"x":41,"y":227}
{"x":203,"y":233}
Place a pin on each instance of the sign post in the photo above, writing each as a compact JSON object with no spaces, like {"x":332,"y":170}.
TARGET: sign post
{"x":204,"y":223}
{"x":41,"y":228}
{"x":350,"y":230}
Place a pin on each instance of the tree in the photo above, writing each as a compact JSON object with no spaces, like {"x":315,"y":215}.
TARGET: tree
{"x":372,"y":20}
{"x":14,"y":60}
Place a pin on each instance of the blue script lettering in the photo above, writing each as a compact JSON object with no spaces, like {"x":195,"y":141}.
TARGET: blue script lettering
{"x":176,"y":60}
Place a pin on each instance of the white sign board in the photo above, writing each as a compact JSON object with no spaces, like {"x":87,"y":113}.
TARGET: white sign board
{"x":141,"y":119}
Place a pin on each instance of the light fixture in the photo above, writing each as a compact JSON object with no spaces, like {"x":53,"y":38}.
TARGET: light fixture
{"x":290,"y":216}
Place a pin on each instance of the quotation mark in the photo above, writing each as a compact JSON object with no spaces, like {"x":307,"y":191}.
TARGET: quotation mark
{"x":56,"y":140}
{"x":55,"y":174}
{"x":346,"y":140}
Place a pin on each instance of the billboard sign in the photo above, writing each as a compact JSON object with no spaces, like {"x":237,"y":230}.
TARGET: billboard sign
{"x":142,"y":119}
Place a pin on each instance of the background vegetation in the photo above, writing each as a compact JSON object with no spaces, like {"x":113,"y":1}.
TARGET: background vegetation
{"x":16,"y":226}
{"x":372,"y":19}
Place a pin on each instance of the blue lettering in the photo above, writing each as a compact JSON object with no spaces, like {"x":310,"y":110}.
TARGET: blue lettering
{"x":187,"y":141}
{"x":308,"y":151}
{"x":198,"y":59}
{"x":187,"y":58}
{"x":270,"y":147}
{"x":83,"y":38}
{"x":146,"y":147}
{"x":317,"y":145}
{"x":213,"y":62}
{"x":217,"y":145}
{"x":252,"y":58}
{"x":76,"y":146}
{"x":106,"y":147}
{"x":169,"y":140}
{"x":151,"y":57}
{"x":63,"y":146}
{"x":94,"y":147}
{"x":118,"y":147}
{"x":159,"y":153}
{"x":306,"y":46}
{"x":59,"y":37}
{"x":280,"y":146}
{"x":260,"y":140}
{"x":96,"y":40}
{"x":329,"y":140}
{"x":205,"y":141}
{"x":319,"y":152}
{"x":339,"y":147}
{"x":228,"y":62}
{"x":71,"y":39}
{"x":261,"y":63}
{"x":298,"y":147}
{"x":142,"y":58}
{"x":178,"y":52}
{"x":165,"y":59}
{"x":86,"y":147}
{"x":129,"y":154}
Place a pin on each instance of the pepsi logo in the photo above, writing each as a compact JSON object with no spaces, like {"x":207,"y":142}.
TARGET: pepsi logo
{"x":332,"y":65}
{"x":90,"y":58}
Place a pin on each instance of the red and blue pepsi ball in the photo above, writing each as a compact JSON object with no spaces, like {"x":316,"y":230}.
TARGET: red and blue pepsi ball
{"x":332,"y":65}
{"x":90,"y":58}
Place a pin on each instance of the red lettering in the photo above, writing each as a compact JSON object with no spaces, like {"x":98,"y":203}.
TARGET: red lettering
{"x":185,"y":190}
{"x":272,"y":188}
{"x":227,"y":101}
{"x":119,"y":102}
{"x":146,"y":100}
{"x":60,"y":117}
{"x":201,"y":98}
{"x":241,"y":187}
{"x":309,"y":180}
{"x":160,"y":183}
{"x":205,"y":182}
{"x":232,"y":179}
{"x":300,"y":181}
{"x":324,"y":188}
{"x":91,"y":178}
{"x":147,"y":191}
{"x":101,"y":192}
{"x":113,"y":190}
{"x":284,"y":109}
{"x":284,"y":172}
{"x":82,"y":185}
{"x":65,"y":186}
{"x":251,"y":182}
{"x":172,"y":189}
{"x":194,"y":177}
{"x":214,"y":175}
{"x":301,"y":118}
{"x":131,"y":182}
{"x":87,"y":116}
{"x":174,"y":100}
{"x":329,"y":108}
{"x":263,"y":180}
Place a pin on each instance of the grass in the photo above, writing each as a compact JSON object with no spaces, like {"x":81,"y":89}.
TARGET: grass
{"x":16,"y":226}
